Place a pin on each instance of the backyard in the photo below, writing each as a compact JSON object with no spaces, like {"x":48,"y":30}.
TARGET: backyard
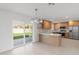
{"x":20,"y":31}
{"x":21,"y":35}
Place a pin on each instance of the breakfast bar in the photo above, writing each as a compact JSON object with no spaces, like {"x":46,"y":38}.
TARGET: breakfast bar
{"x":50,"y":38}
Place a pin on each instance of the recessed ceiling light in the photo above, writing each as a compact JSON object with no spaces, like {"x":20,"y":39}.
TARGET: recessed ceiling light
{"x":66,"y":17}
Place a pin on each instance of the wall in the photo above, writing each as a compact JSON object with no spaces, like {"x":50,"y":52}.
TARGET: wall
{"x":5,"y":31}
{"x":6,"y":19}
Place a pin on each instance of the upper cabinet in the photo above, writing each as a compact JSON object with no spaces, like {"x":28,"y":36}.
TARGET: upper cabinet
{"x":73,"y":23}
{"x":64,"y":24}
{"x":46,"y":24}
{"x":57,"y":26}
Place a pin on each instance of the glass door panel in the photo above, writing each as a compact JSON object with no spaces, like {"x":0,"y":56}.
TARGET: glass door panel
{"x":28,"y":32}
{"x":18,"y":35}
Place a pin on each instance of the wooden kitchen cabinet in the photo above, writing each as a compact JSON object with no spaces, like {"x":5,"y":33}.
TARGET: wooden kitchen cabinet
{"x":46,"y":24}
{"x":66,"y":35}
{"x":57,"y":26}
{"x":73,"y":23}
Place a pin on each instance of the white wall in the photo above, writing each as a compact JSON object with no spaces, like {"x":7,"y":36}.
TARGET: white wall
{"x":5,"y":31}
{"x":6,"y":19}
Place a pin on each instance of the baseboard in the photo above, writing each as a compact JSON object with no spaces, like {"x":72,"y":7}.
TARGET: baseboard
{"x":2,"y":50}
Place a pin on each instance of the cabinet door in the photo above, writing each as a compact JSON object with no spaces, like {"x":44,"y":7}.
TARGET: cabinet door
{"x":46,"y":24}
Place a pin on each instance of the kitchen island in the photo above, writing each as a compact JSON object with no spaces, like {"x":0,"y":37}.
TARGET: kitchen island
{"x":50,"y":38}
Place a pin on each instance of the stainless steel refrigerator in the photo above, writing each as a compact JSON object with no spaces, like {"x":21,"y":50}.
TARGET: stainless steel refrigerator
{"x":74,"y":32}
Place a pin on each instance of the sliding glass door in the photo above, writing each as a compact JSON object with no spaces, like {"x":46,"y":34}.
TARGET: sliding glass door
{"x":18,"y":34}
{"x":28,"y":33}
{"x":22,"y":33}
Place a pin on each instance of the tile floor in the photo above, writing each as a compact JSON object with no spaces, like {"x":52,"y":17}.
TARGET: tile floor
{"x":69,"y":47}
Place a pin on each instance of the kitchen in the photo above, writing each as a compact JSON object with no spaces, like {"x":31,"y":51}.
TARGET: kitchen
{"x":58,"y":31}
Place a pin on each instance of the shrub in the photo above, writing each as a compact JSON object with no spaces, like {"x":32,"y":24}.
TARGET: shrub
{"x":18,"y":37}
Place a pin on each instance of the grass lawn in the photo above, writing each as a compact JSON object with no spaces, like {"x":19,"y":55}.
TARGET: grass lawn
{"x":20,"y":35}
{"x":17,"y":35}
{"x":28,"y":33}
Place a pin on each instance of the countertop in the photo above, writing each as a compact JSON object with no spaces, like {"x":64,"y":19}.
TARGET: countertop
{"x":52,"y":34}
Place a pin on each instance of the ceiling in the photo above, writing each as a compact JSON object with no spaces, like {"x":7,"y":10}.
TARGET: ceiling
{"x":64,"y":11}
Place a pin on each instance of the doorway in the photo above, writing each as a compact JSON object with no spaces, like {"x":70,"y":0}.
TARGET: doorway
{"x":22,"y":33}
